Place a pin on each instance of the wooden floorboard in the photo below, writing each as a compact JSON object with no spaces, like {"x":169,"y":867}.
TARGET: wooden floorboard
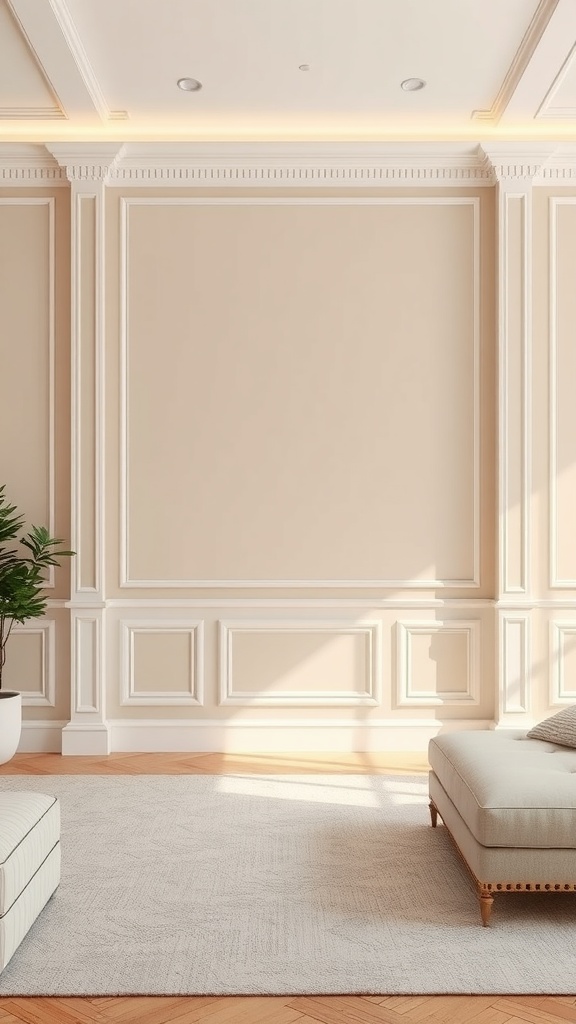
{"x":215,"y":764}
{"x":384,"y":1009}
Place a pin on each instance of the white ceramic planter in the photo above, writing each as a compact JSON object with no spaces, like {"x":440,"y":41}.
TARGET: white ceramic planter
{"x":10,"y":723}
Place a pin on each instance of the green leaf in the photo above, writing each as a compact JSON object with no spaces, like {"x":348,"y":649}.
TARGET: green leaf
{"x":22,"y":577}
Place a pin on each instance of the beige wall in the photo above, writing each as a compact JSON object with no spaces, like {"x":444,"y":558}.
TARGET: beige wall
{"x":301,"y":425}
{"x":287,"y":418}
{"x":300,"y":392}
{"x":34,"y":404}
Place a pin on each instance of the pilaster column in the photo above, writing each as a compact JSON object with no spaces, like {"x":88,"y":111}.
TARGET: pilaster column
{"x":87,"y":170}
{"x":514,"y":173}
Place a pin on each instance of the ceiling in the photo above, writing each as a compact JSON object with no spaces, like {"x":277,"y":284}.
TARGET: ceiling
{"x":107,"y":69}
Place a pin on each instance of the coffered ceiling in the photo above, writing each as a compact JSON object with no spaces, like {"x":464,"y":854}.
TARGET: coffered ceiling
{"x":287,"y":69}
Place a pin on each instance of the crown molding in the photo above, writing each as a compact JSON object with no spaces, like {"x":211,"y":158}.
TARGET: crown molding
{"x":28,"y":165}
{"x":90,"y":162}
{"x":517,"y":163}
{"x":289,"y":165}
{"x":245,"y":164}
{"x":562,"y":165}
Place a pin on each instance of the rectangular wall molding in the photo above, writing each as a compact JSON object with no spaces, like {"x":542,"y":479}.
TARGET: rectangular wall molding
{"x":322,"y":633}
{"x":87,"y":647}
{"x":49,"y":202}
{"x":128,"y":578}
{"x":562,"y":646}
{"x":559,"y":579}
{"x":192,"y":633}
{"x":88,"y":398}
{"x":515,"y":664}
{"x":409,"y":689}
{"x":515,"y":387}
{"x":45,"y":695}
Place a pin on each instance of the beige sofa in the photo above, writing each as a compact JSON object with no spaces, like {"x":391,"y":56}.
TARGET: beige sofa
{"x":509,"y":804}
{"x":29,"y":863}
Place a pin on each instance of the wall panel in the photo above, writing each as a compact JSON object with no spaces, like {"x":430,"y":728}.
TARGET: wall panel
{"x":300,"y":392}
{"x":279,"y":664}
{"x":562,"y":375}
{"x":27,"y":273}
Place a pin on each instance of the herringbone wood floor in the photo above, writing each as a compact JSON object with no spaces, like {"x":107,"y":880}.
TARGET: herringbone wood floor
{"x":271,"y":1010}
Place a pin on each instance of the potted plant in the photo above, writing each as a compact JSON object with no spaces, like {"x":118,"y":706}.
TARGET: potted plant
{"x":24,"y":560}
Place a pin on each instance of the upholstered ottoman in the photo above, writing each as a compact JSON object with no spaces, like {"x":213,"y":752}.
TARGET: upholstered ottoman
{"x":29,"y":863}
{"x":509,"y":804}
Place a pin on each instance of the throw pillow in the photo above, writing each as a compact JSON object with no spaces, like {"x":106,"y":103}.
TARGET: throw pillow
{"x":561,"y":728}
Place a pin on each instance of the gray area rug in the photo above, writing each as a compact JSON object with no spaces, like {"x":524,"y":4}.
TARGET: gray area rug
{"x":275,"y":885}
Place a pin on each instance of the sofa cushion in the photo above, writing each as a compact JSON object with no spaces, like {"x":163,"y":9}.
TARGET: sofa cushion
{"x":560,"y":728}
{"x":510,"y":790}
{"x":29,"y":830}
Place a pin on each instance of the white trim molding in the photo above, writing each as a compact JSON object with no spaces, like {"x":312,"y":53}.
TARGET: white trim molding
{"x":92,"y":739}
{"x":370,"y":631}
{"x":50,"y":381}
{"x":87,"y":668}
{"x":556,"y":581}
{"x":92,"y":162}
{"x":29,"y":166}
{"x":127,"y":580}
{"x":287,"y":164}
{"x":514,"y":391}
{"x":321,"y":603}
{"x":520,"y":62}
{"x":87,"y":732}
{"x":249,"y":736}
{"x":527,"y":163}
{"x":88,"y":389}
{"x":75,"y":47}
{"x":298,"y":164}
{"x":41,"y":736}
{"x":562,"y":632}
{"x":546,"y":110}
{"x":87,"y":171}
{"x":45,"y":696}
{"x":514,"y":654}
{"x":129,"y":693}
{"x":410,"y":695}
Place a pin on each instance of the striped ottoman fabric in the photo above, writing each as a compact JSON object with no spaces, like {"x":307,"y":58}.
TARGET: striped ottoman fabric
{"x":29,"y":863}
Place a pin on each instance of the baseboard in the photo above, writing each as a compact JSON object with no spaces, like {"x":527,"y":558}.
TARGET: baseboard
{"x":92,"y":739}
{"x":259,"y":736}
{"x":40,"y":737}
{"x":279,"y":736}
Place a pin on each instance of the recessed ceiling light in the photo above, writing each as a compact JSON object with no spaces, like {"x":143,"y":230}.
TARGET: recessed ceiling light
{"x":412,"y":84}
{"x":189,"y":84}
{"x":304,"y":67}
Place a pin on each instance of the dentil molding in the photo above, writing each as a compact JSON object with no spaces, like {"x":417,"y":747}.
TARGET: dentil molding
{"x":90,"y":162}
{"x":285,"y":164}
{"x":510,"y":164}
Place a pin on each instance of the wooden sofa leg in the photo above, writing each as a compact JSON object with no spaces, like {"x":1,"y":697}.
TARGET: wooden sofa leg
{"x":433,"y":814}
{"x":486,"y":901}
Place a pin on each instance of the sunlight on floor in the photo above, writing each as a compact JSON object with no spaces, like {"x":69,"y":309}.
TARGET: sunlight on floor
{"x":356,"y":791}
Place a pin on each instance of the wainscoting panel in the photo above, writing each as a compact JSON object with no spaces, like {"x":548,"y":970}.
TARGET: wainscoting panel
{"x":515,"y":662}
{"x":282,"y":664}
{"x":438,"y":663}
{"x":31,"y":665}
{"x":87,"y":634}
{"x":162,"y":663}
{"x":562,"y":662}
